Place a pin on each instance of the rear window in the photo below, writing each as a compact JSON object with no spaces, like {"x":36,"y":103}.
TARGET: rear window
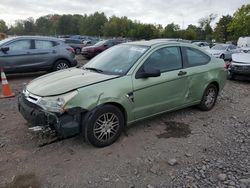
{"x":194,"y":57}
{"x":43,"y":44}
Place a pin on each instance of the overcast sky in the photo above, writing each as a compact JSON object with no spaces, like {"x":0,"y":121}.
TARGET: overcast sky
{"x":182,"y":12}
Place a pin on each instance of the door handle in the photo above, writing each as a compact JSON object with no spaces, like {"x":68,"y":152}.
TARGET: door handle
{"x":181,"y":73}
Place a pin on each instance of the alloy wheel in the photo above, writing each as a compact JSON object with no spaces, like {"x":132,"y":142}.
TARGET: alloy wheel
{"x":106,"y":127}
{"x":210,"y":97}
{"x":62,"y":66}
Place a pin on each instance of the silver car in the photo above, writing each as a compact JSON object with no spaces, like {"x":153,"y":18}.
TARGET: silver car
{"x":240,"y":65}
{"x":35,"y":53}
{"x":223,"y":51}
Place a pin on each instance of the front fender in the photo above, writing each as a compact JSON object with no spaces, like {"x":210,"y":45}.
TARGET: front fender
{"x":111,"y":91}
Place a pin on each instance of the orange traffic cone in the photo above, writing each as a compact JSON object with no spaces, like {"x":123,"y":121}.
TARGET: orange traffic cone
{"x":6,"y":91}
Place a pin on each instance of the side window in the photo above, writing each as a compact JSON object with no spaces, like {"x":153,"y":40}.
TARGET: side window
{"x":110,"y":43}
{"x":20,"y":45}
{"x":165,"y":59}
{"x":195,"y":57}
{"x":43,"y":44}
{"x":231,"y":47}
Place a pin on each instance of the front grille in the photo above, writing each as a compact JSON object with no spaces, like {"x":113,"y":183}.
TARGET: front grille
{"x":28,"y":103}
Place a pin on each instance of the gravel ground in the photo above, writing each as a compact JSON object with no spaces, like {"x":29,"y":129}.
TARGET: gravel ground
{"x":185,"y":148}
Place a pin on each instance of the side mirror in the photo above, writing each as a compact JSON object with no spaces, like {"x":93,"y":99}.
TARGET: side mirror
{"x":146,"y":73}
{"x":5,"y":49}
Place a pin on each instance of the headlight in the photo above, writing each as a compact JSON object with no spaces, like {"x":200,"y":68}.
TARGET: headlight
{"x":57,"y":103}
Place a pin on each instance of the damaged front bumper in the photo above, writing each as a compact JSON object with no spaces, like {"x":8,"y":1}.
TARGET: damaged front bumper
{"x":66,"y":124}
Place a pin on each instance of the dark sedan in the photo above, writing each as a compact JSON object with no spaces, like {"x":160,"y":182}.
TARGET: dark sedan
{"x":91,"y":51}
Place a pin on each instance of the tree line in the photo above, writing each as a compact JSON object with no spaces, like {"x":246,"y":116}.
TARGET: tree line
{"x":98,"y":24}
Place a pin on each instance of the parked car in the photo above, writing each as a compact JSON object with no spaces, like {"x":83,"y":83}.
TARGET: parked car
{"x":243,"y":42}
{"x":202,"y":44}
{"x":76,"y":44}
{"x":172,"y":39}
{"x":91,"y":51}
{"x":35,"y":53}
{"x":89,"y":42}
{"x":124,"y":84}
{"x":240,"y":65}
{"x":223,"y":51}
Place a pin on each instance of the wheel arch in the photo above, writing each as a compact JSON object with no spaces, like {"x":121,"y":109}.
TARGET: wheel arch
{"x":59,"y":59}
{"x":121,"y":108}
{"x":216,"y":84}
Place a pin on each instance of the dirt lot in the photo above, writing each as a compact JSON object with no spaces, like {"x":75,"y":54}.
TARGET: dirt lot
{"x":186,"y":148}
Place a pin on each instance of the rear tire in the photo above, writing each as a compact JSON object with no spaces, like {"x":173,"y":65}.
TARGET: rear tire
{"x":60,"y":65}
{"x":209,"y":98}
{"x":104,"y":126}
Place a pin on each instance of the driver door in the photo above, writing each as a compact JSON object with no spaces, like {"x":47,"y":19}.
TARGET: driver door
{"x":154,"y":95}
{"x":18,"y":56}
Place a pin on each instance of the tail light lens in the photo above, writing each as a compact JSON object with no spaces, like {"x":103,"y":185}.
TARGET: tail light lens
{"x":71,"y":50}
{"x":227,"y":64}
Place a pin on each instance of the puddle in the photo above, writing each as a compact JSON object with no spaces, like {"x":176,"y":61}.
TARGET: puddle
{"x":24,"y":181}
{"x":175,"y":130}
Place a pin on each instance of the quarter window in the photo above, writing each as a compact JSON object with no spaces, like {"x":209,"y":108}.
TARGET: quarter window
{"x":20,"y":45}
{"x":43,"y":44}
{"x":195,"y":57}
{"x":164,"y":59}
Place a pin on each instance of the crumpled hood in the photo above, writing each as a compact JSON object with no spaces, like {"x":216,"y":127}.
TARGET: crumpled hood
{"x":64,"y":81}
{"x":241,"y":57}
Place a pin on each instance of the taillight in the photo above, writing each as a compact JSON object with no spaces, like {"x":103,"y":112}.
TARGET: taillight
{"x":227,"y":64}
{"x":71,"y":50}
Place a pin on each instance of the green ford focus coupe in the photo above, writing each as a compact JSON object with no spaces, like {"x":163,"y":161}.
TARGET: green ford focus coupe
{"x":125,"y":84}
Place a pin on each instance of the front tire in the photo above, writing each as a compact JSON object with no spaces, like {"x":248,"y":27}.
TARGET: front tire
{"x":104,"y":126}
{"x":209,"y":98}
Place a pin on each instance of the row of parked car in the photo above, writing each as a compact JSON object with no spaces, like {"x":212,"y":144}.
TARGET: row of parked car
{"x":35,"y":53}
{"x":237,"y":57}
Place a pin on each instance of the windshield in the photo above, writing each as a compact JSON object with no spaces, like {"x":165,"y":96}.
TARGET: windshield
{"x":116,"y":60}
{"x":5,"y":40}
{"x":219,"y":47}
{"x":100,"y":43}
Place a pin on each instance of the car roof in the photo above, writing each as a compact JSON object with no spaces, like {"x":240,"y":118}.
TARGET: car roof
{"x":150,"y":43}
{"x":37,"y":37}
{"x":72,"y":39}
{"x":222,"y":44}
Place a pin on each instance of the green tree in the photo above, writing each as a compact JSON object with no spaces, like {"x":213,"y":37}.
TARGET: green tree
{"x":17,"y":28}
{"x":29,"y":26}
{"x":221,"y":31}
{"x":205,"y":25}
{"x":3,"y":26}
{"x":171,"y":31}
{"x":191,"y":32}
{"x":93,"y":24}
{"x":240,"y":24}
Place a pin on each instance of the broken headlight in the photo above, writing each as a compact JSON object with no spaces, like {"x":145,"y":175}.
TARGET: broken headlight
{"x":56,"y":103}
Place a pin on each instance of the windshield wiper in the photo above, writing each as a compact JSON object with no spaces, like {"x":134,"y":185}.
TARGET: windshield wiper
{"x":93,"y":69}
